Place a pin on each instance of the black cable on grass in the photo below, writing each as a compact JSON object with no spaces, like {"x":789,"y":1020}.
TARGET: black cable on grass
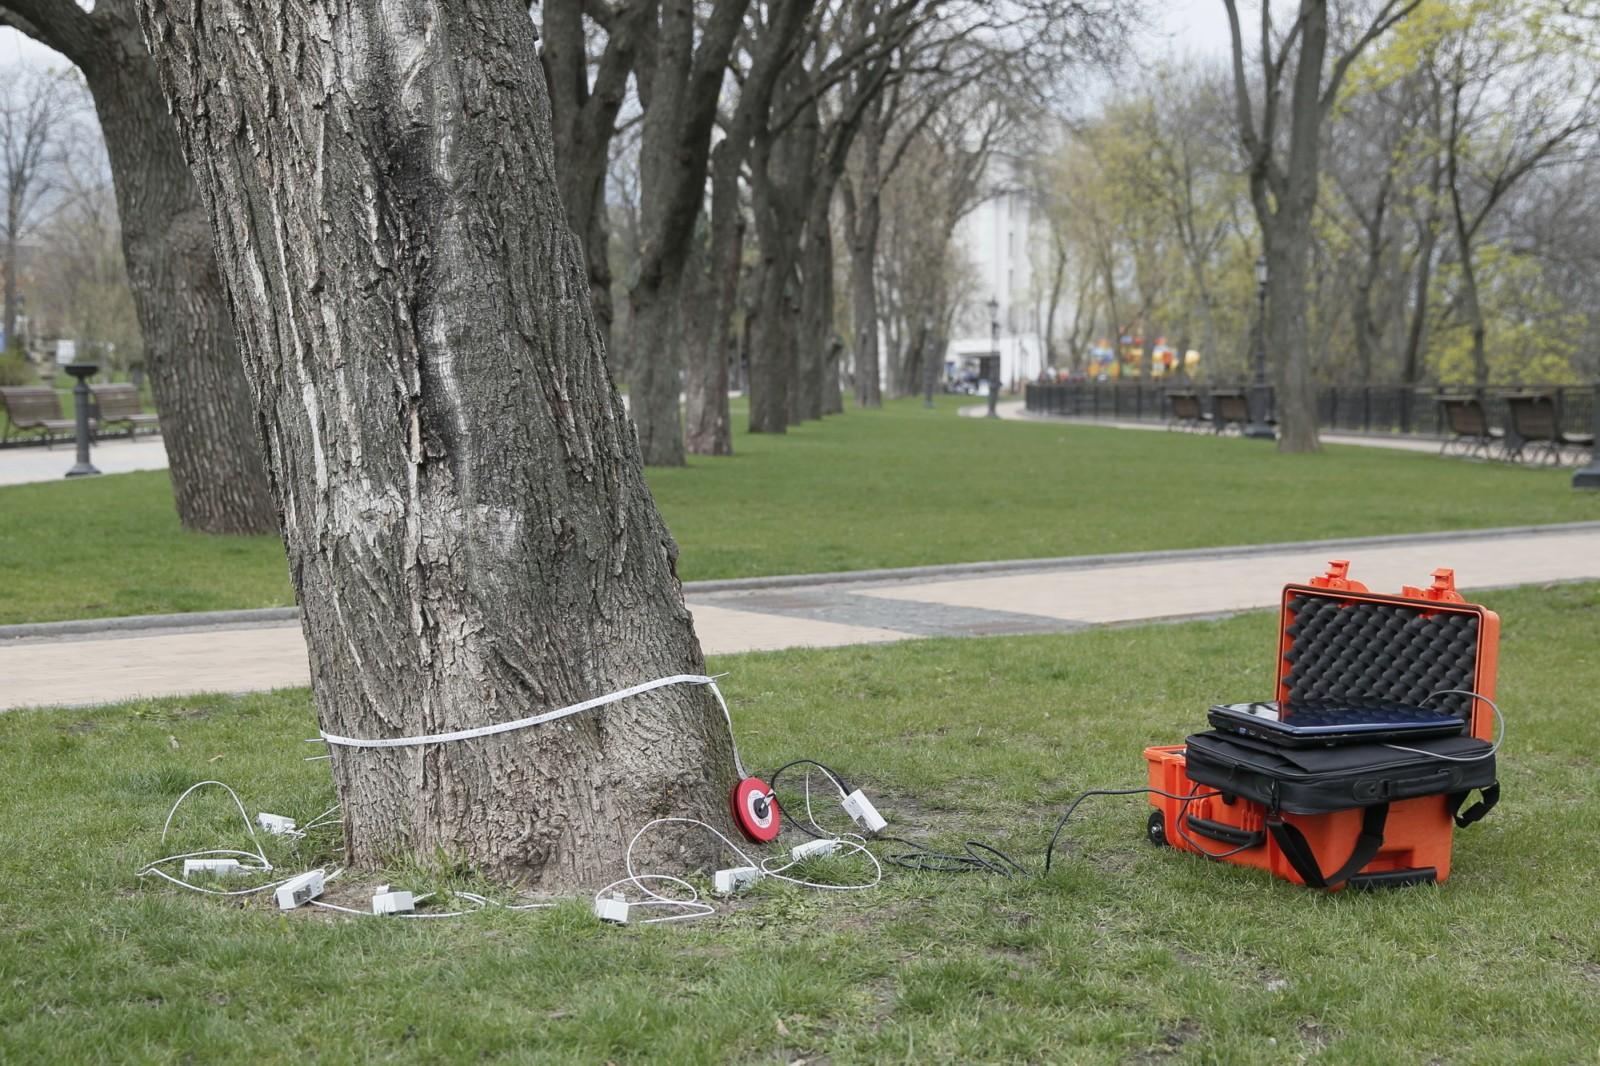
{"x":1049,"y":851}
{"x":978,"y":857}
{"x":927,"y":860}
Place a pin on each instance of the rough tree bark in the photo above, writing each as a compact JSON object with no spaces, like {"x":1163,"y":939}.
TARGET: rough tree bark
{"x":863,"y":221}
{"x":213,"y":449}
{"x":708,"y":426}
{"x":469,"y":531}
{"x":780,"y":186}
{"x":816,"y":307}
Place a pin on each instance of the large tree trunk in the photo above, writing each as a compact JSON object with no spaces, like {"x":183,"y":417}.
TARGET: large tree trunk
{"x":1416,"y":329}
{"x":770,"y":343}
{"x":13,"y":223}
{"x":816,"y":310}
{"x":207,"y":424}
{"x":1471,"y":308}
{"x":659,"y":331}
{"x":709,"y":425}
{"x":864,"y":221}
{"x":1289,"y":242}
{"x":468,"y":527}
{"x":832,"y":388}
{"x":679,"y":85}
{"x":583,"y":119}
{"x":1287,"y":339}
{"x":864,"y":310}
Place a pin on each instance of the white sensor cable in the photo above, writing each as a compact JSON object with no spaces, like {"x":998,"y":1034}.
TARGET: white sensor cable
{"x":546,"y":716}
{"x":690,"y":901}
{"x":1499,"y":737}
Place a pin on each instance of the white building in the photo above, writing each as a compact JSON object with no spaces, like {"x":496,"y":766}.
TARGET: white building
{"x":995,"y":239}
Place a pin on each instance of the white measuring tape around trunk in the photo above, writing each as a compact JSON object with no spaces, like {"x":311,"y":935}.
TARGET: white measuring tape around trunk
{"x":547,"y":716}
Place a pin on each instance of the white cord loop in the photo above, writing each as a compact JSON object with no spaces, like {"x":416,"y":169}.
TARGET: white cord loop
{"x":690,"y":903}
{"x":547,"y":716}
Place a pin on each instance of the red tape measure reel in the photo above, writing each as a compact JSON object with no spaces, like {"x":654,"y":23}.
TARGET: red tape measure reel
{"x":755,"y":812}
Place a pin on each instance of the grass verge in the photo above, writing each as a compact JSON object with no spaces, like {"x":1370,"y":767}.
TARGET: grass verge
{"x":898,"y":487}
{"x":1127,"y":953}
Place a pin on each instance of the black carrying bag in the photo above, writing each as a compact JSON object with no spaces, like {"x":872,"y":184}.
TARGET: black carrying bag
{"x":1311,"y":781}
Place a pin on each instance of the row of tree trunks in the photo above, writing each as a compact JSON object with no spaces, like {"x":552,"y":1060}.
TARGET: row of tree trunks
{"x":680,"y":81}
{"x":781,"y":185}
{"x":709,"y":428}
{"x":207,"y":422}
{"x":468,"y":527}
{"x":863,"y":202}
{"x":709,"y":423}
{"x":583,"y":121}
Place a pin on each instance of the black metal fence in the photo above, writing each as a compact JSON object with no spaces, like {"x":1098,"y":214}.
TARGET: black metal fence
{"x":1340,"y":408}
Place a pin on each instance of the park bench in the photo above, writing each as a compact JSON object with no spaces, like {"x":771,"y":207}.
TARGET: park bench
{"x":1469,"y":427}
{"x":1536,"y":430}
{"x":120,"y":404}
{"x":1229,"y":410}
{"x":33,"y":408}
{"x":1187,"y":414}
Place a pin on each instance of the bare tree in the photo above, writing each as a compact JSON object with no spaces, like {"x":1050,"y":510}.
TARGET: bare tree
{"x":213,"y":450}
{"x":33,"y":110}
{"x":1284,"y":172}
{"x":82,"y":287}
{"x":1515,"y":101}
{"x":468,"y":527}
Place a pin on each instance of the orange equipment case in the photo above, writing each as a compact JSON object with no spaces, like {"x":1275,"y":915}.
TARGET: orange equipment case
{"x":1418,"y":834}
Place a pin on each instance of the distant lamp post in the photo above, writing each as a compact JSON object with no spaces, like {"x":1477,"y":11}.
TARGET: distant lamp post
{"x":80,"y":398}
{"x":994,"y":356}
{"x":1589,"y":476}
{"x":930,"y":361}
{"x":1260,"y":395}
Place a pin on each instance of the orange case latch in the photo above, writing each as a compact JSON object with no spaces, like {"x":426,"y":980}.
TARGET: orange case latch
{"x":1338,"y":577}
{"x":1443,"y":589}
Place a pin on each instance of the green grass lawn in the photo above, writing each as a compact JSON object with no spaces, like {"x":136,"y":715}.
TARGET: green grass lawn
{"x":1126,"y":953}
{"x":897,"y":487}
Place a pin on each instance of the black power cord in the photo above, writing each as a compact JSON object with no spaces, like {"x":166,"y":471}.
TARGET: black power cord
{"x":1049,"y":851}
{"x":973,"y":860}
{"x":976,"y":856}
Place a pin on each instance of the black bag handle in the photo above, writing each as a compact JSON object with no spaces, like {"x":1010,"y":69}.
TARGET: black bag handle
{"x":1294,"y":847}
{"x":1491,"y":796}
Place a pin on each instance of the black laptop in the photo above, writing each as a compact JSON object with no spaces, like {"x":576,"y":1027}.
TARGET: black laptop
{"x":1310,"y":723}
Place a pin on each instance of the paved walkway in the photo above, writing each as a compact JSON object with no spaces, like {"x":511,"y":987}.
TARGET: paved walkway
{"x":1016,"y":411}
{"x":19,"y":466}
{"x":986,"y":599}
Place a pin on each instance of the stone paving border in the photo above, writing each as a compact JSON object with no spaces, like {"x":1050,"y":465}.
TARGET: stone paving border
{"x":140,"y":625}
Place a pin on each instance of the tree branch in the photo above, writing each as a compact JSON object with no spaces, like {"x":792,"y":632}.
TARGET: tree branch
{"x":60,"y":24}
{"x":1391,"y":12}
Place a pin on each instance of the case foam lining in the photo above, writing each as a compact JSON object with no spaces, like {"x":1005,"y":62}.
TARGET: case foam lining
{"x":1379,"y":651}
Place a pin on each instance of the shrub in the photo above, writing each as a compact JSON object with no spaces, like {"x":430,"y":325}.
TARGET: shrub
{"x":14,"y":370}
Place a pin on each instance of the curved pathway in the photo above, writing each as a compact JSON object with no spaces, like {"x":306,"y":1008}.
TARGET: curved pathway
{"x":91,"y":662}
